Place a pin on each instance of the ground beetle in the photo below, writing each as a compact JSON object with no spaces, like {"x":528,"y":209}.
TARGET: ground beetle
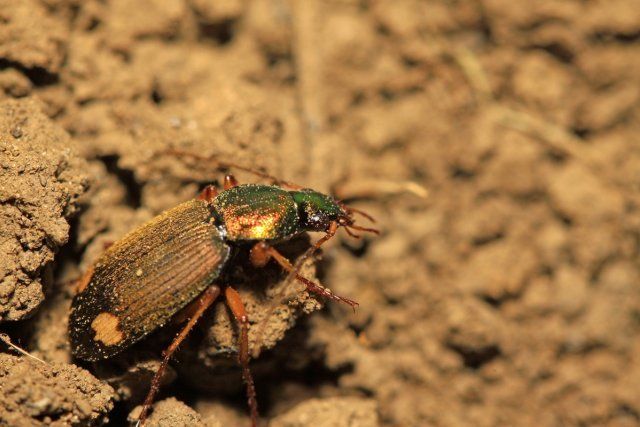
{"x":173,"y":262}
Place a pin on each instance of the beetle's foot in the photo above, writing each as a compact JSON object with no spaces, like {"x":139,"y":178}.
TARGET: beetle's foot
{"x":325,"y":292}
{"x":353,"y":304}
{"x":317,"y":289}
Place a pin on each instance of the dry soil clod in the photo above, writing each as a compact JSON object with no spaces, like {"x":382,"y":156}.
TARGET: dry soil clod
{"x":41,"y":180}
{"x":59,"y":394}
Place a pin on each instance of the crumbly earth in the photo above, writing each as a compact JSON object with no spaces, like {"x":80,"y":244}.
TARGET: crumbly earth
{"x":37,"y":394}
{"x":41,"y":179}
{"x":330,"y":412}
{"x":496,"y":143}
{"x":171,"y":413}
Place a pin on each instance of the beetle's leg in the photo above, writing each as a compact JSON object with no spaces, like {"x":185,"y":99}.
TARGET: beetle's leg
{"x":333,"y":227}
{"x":208,"y":193}
{"x":230,"y":181}
{"x":261,"y":253}
{"x":186,"y":312}
{"x":237,"y":308}
{"x":260,"y":256}
{"x":205,"y":300}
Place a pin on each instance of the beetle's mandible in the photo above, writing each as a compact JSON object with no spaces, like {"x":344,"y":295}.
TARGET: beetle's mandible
{"x":178,"y":258}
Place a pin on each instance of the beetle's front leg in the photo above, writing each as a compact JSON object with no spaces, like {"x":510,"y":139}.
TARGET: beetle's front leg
{"x":260,"y":255}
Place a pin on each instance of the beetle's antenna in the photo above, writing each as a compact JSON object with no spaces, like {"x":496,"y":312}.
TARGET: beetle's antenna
{"x":231,"y":165}
{"x":368,"y":230}
{"x":351,"y":233}
{"x":363,"y":213}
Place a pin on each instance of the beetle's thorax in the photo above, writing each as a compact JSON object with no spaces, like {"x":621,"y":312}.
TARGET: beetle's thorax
{"x":256,"y":212}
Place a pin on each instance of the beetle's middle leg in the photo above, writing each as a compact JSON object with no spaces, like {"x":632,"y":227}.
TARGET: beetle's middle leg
{"x":237,"y":308}
{"x":260,"y":255}
{"x":204,"y":301}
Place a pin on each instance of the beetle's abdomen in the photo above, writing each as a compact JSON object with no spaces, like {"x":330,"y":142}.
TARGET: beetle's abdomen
{"x":142,"y":280}
{"x":257,"y":212}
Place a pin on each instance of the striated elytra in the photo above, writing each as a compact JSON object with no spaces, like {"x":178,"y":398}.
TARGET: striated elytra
{"x":142,"y":280}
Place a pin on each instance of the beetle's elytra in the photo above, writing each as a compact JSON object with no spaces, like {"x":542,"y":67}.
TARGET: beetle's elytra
{"x":177,"y":259}
{"x":142,"y":280}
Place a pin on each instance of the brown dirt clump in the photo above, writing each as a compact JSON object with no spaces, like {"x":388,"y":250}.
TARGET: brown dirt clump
{"x":507,"y":296}
{"x":36,"y":394}
{"x":41,"y":179}
{"x":330,"y":412}
{"x":169,"y":413}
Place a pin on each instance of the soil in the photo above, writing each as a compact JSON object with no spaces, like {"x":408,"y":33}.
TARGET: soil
{"x":497,"y":146}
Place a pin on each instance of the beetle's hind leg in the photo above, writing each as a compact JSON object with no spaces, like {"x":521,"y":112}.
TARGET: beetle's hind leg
{"x":83,"y":281}
{"x":260,"y":255}
{"x":237,"y":308}
{"x":205,"y":300}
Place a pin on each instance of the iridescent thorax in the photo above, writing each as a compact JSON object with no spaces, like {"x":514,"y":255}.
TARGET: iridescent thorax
{"x":257,"y":212}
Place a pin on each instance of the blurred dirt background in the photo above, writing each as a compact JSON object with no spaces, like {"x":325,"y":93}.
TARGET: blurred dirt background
{"x":508,"y":296}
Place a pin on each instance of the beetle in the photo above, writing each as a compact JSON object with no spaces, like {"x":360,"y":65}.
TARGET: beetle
{"x":176,"y":262}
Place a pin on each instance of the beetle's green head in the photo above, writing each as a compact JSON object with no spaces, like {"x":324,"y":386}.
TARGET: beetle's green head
{"x":317,"y":211}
